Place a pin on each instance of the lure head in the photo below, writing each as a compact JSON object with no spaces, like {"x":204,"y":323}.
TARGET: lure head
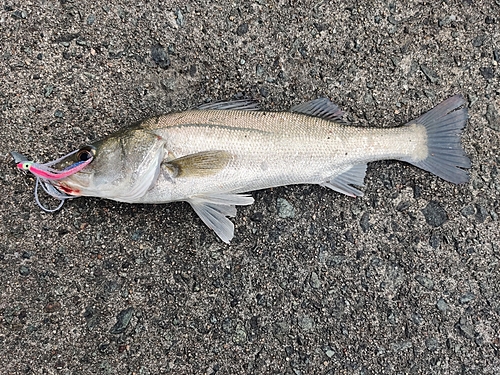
{"x":123,"y":166}
{"x":25,"y":165}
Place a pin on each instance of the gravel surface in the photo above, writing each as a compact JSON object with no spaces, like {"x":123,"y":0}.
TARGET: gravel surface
{"x":403,"y":280}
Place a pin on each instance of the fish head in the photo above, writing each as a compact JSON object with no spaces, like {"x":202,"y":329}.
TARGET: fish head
{"x":124,"y":165}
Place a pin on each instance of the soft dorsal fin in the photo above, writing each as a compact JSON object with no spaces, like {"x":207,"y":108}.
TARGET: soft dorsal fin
{"x":242,"y":104}
{"x":321,"y":107}
{"x":341,"y":183}
{"x":200,"y":164}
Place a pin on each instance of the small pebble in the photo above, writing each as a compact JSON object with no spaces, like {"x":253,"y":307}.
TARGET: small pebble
{"x":435,"y":240}
{"x":192,"y":70}
{"x":467,"y":330}
{"x":364,"y":223}
{"x":257,"y":217}
{"x":417,"y":318}
{"x":432,"y":344}
{"x":259,"y":70}
{"x":160,"y":57}
{"x":242,"y":29}
{"x":19,"y":14}
{"x":328,"y":351}
{"x":481,"y":213}
{"x":240,"y":335}
{"x":315,"y":282}
{"x":467,"y":297}
{"x":403,"y":206}
{"x":478,"y":41}
{"x":489,"y":20}
{"x":492,"y":117}
{"x":52,"y":307}
{"x":425,"y":281}
{"x":306,"y":323}
{"x":442,"y":305}
{"x":400,"y":346}
{"x":467,"y":210}
{"x":24,"y":270}
{"x":122,"y":320}
{"x":431,"y":75}
{"x":180,"y":18}
{"x":285,"y":209}
{"x":434,"y":214}
{"x":487,"y":72}
{"x":48,"y":90}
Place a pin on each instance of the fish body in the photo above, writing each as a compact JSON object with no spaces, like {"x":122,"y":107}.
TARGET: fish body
{"x":211,"y":155}
{"x":266,"y":149}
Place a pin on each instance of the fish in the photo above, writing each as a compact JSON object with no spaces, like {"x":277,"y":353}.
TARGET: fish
{"x":214,"y":155}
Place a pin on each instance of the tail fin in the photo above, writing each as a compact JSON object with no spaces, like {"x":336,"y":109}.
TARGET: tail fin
{"x":445,"y":153}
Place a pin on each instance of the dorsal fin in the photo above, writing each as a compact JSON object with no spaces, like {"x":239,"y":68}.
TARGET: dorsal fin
{"x":321,"y":107}
{"x":242,"y":104}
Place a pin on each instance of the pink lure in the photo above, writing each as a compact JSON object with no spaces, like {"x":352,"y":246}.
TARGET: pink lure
{"x":48,"y":173}
{"x":45,"y":174}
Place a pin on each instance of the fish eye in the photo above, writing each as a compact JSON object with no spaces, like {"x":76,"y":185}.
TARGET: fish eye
{"x":84,"y":155}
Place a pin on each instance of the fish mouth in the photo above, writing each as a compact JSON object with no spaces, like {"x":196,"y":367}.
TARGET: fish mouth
{"x":63,"y":190}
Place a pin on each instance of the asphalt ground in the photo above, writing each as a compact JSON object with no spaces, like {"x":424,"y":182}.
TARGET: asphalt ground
{"x":403,"y":280}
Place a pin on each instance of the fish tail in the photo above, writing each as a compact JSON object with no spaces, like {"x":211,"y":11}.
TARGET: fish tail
{"x":445,"y":156}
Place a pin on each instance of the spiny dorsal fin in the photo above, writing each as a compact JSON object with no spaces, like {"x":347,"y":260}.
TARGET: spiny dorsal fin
{"x":242,"y":104}
{"x":200,"y":164}
{"x":322,"y":108}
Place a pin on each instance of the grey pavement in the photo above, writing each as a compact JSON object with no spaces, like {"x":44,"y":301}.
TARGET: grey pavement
{"x":404,"y":280}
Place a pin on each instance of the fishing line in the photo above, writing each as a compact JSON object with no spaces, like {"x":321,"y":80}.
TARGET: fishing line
{"x":37,"y":200}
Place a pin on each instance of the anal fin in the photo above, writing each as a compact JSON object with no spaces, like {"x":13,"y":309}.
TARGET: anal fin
{"x":355,"y":175}
{"x":214,"y":210}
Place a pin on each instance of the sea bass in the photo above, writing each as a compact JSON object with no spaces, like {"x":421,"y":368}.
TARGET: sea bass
{"x":211,"y":155}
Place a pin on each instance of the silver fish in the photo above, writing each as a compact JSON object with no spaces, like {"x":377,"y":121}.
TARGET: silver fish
{"x":211,"y":155}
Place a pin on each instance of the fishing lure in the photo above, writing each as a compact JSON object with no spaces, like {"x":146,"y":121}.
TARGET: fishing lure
{"x":44,"y":174}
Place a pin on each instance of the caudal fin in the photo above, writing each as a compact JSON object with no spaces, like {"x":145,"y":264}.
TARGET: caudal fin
{"x":446,"y":156}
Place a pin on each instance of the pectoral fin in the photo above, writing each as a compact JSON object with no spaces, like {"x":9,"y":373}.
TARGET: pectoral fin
{"x":214,"y":209}
{"x":201,"y":164}
{"x":341,"y":183}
